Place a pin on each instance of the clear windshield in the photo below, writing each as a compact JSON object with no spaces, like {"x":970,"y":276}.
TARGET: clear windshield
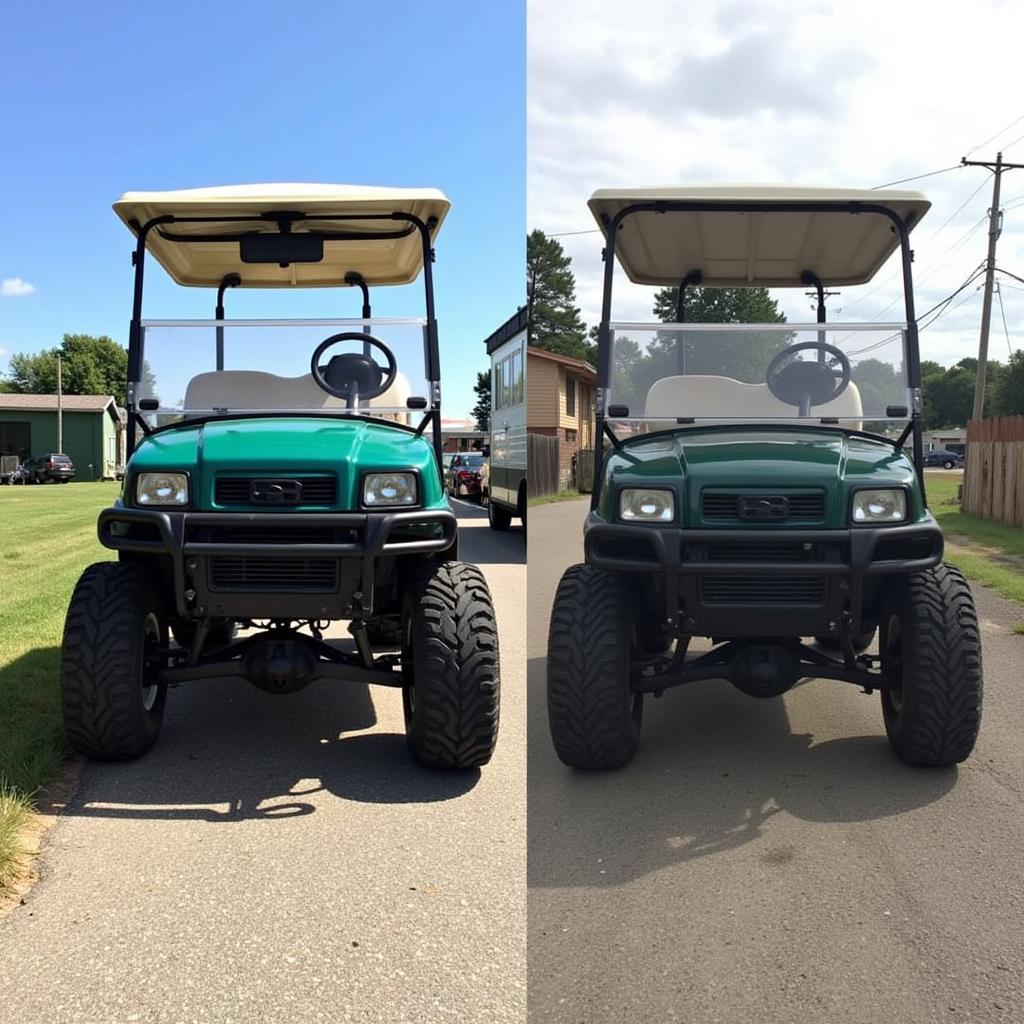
{"x":851,"y":373}
{"x":265,"y":366}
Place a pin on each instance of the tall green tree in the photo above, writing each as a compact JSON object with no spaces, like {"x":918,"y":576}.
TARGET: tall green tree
{"x":482,"y":409}
{"x":90,"y":366}
{"x":1008,"y":391}
{"x":719,"y":306}
{"x":553,"y":318}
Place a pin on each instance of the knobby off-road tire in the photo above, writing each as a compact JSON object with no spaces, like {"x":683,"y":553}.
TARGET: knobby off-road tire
{"x":593,"y":716}
{"x":111,"y":694}
{"x":861,"y":642}
{"x":451,"y":645}
{"x":930,"y":635}
{"x":498,"y":518}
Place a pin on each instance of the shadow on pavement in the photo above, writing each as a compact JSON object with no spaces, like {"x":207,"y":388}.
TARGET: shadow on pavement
{"x":713,"y":767}
{"x":229,"y":752}
{"x":481,"y":545}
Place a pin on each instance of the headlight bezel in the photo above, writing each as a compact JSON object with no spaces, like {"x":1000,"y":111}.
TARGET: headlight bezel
{"x":138,"y":501}
{"x":898,"y":489}
{"x":621,"y":501}
{"x":417,"y":485}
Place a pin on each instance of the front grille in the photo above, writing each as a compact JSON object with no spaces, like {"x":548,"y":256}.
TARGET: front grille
{"x":266,"y":572}
{"x":727,"y":506}
{"x":282,"y":535}
{"x":237,"y":490}
{"x":740,"y":552}
{"x":762,"y":590}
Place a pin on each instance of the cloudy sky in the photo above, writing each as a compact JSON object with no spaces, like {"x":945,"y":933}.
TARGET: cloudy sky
{"x":655,"y":92}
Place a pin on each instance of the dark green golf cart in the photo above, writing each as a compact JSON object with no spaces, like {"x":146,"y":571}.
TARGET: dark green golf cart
{"x":283,"y":475}
{"x":753,"y":488}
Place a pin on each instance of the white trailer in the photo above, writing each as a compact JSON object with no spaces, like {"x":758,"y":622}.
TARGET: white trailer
{"x":506,"y":480}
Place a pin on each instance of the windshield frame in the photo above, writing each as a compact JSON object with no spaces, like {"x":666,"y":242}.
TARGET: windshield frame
{"x":284,"y":221}
{"x":611,"y":226}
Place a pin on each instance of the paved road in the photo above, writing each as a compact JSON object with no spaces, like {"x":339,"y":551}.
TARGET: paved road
{"x":772,"y":861}
{"x":284,"y":860}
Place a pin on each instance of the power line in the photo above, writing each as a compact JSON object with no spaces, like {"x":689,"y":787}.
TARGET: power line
{"x":1016,"y":120}
{"x":562,"y":234}
{"x":1006,"y":330}
{"x":918,"y":177}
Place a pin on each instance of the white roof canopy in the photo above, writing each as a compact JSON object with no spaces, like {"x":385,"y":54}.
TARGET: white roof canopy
{"x":380,"y":260}
{"x":770,"y":249}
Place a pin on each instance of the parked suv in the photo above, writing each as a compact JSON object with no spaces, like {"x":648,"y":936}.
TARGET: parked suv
{"x":50,"y":468}
{"x":945,"y":459}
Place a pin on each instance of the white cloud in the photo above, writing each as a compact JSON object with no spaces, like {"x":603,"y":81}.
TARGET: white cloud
{"x":11,"y":286}
{"x":824,"y":92}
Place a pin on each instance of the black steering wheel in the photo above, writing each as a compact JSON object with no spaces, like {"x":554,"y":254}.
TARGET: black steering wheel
{"x":806,"y":382}
{"x":353,"y":375}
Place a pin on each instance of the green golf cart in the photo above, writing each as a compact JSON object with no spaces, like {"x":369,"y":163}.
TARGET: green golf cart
{"x":283,"y":475}
{"x":753,"y":487}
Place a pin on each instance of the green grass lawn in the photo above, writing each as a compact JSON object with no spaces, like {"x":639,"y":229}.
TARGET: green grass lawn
{"x":47,"y":537}
{"x":547,"y":499}
{"x":991,"y":553}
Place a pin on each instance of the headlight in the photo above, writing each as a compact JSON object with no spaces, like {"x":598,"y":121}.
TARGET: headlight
{"x":888,"y":506}
{"x":161,"y":489}
{"x":381,"y":489}
{"x":646,"y":506}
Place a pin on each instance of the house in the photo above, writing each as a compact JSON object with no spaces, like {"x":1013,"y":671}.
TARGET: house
{"x":461,"y":436}
{"x":560,"y":404}
{"x":93,"y":431}
{"x":953,"y":439}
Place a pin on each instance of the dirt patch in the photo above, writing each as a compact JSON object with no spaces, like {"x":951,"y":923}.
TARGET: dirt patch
{"x":958,"y":542}
{"x":50,"y":805}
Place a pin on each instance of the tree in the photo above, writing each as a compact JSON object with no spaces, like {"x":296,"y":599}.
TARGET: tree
{"x":1008,"y":392}
{"x":90,"y":366}
{"x":482,"y":409}
{"x":553,"y":318}
{"x":719,"y":306}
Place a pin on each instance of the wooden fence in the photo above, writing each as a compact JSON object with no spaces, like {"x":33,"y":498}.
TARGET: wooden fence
{"x":542,"y":454}
{"x":994,"y":469}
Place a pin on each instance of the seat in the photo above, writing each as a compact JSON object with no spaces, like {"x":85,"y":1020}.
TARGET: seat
{"x":709,"y":397}
{"x":257,"y":390}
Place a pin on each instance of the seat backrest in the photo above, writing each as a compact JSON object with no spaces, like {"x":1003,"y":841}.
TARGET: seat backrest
{"x":254,"y":389}
{"x":705,"y":396}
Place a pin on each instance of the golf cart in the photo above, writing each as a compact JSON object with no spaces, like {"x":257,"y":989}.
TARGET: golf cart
{"x":753,"y":487}
{"x":283,"y":475}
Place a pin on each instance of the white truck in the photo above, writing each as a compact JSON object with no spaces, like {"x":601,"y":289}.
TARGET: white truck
{"x":505,"y":496}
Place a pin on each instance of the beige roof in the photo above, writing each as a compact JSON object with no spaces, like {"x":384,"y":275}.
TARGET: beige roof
{"x":580,"y":365}
{"x":204,"y":264}
{"x":766,"y":249}
{"x":48,"y":403}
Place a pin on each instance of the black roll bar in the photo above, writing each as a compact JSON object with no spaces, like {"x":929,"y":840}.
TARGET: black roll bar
{"x":662,"y":206}
{"x":432,"y":359}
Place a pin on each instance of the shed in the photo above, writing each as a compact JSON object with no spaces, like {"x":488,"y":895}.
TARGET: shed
{"x":93,"y":430}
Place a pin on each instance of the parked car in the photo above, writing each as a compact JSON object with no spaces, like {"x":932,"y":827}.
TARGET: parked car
{"x":464,"y":475}
{"x":945,"y":459}
{"x":50,"y":468}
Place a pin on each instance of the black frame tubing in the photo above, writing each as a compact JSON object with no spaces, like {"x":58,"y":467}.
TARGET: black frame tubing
{"x":662,"y":206}
{"x":285,"y":220}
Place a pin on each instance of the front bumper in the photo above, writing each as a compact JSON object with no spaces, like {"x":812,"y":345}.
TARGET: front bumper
{"x":738,"y":582}
{"x":245,"y":565}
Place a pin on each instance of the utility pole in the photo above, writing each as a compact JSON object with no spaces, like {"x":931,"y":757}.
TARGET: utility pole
{"x":60,"y":409}
{"x":994,"y":230}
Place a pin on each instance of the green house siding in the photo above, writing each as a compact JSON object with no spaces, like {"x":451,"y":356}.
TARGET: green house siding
{"x":90,"y":439}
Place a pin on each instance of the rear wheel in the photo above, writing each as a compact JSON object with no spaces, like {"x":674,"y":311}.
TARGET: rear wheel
{"x":450,"y":663}
{"x":931,"y":643}
{"x":115,"y":639}
{"x":593,"y":716}
{"x":498,"y":518}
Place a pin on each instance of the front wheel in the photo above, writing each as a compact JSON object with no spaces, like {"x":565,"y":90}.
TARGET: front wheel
{"x":114,"y":649}
{"x":450,"y":665}
{"x":593,"y":716}
{"x":931,"y":645}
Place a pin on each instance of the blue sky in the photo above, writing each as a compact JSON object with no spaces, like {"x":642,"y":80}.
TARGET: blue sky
{"x":100,"y":99}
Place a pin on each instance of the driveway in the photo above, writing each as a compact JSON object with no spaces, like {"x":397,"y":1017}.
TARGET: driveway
{"x":772,"y":861}
{"x":283,"y":859}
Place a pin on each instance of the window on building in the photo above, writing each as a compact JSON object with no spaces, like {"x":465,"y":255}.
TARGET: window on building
{"x":516,"y":374}
{"x":570,"y":436}
{"x":496,"y":376}
{"x":570,"y":395}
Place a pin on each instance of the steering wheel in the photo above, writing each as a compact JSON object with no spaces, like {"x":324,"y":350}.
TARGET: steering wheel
{"x":353,"y":375}
{"x":804,"y":382}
